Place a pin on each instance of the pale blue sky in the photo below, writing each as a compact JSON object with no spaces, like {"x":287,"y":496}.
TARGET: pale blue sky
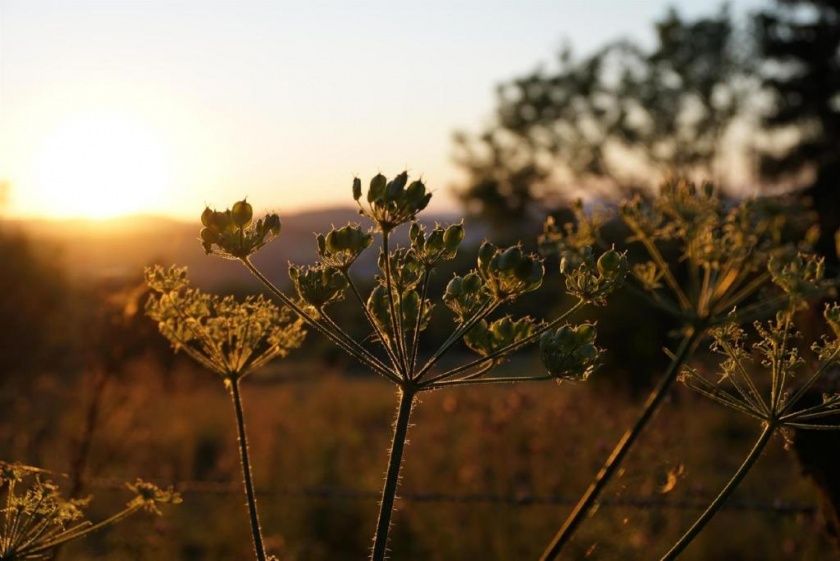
{"x":186,"y":102}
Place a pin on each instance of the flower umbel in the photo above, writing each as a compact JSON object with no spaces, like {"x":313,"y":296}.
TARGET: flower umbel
{"x":36,"y":518}
{"x":391,"y":203}
{"x":232,"y":233}
{"x":228,"y":337}
{"x":774,"y":402}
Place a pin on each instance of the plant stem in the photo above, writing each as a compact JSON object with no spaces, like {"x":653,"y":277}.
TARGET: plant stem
{"x":392,"y":477}
{"x":715,"y":505}
{"x":350,"y":347}
{"x":396,"y":323}
{"x":247,"y":476}
{"x":77,"y":532}
{"x":610,"y":467}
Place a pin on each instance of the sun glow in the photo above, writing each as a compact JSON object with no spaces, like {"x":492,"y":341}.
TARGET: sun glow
{"x":99,"y":165}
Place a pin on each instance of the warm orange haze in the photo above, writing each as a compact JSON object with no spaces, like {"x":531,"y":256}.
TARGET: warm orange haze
{"x":390,"y":281}
{"x":193,"y":103}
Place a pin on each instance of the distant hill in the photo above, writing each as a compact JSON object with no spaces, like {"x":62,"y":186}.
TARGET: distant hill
{"x":122,"y":247}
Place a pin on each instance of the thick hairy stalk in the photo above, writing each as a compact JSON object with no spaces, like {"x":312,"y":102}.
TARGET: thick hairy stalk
{"x":715,"y":505}
{"x":247,"y":476}
{"x":392,"y":477}
{"x":610,"y":467}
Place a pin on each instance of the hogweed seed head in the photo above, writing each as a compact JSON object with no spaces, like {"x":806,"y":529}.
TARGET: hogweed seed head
{"x":571,"y":241}
{"x":726,"y":247}
{"x":407,"y":304}
{"x":779,"y":357}
{"x":487,"y":338}
{"x":318,"y":285}
{"x":149,"y":496}
{"x":340,"y":247}
{"x":510,"y":272}
{"x":226,"y":336}
{"x":37,"y":518}
{"x":406,"y":269}
{"x":233,"y":234}
{"x":801,"y":277}
{"x":441,"y":244}
{"x":569,"y":353}
{"x":466,"y":295}
{"x":391,"y":203}
{"x":593,"y":280}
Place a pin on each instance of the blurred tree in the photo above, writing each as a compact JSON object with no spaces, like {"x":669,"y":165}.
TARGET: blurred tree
{"x":615,"y":120}
{"x":799,"y":42}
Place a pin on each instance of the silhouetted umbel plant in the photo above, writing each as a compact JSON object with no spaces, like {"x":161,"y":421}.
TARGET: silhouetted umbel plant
{"x":726,"y":255}
{"x":398,"y":308}
{"x":227,"y":337}
{"x":36,"y":519}
{"x":774,"y":405}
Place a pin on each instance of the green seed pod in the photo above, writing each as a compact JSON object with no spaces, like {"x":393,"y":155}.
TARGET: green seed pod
{"x":221,"y":221}
{"x":585,"y":332}
{"x":415,"y":193}
{"x":207,"y":217}
{"x":322,"y":244}
{"x":209,"y":235}
{"x":410,"y":307}
{"x":415,"y":233}
{"x":357,"y":188}
{"x":454,"y":286}
{"x":376,"y":191}
{"x":485,"y":254}
{"x":242,"y":213}
{"x":396,"y":187}
{"x":569,"y":353}
{"x":453,"y":236}
{"x":508,"y":260}
{"x":377,"y":305}
{"x":424,"y":202}
{"x":471,"y":283}
{"x":272,"y":224}
{"x":333,"y":242}
{"x":610,"y":263}
{"x":435,"y":241}
{"x":525,"y":270}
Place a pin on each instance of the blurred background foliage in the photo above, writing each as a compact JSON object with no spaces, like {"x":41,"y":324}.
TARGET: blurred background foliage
{"x":89,"y":388}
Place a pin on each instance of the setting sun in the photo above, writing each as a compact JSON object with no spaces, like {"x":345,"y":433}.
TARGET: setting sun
{"x":99,"y":165}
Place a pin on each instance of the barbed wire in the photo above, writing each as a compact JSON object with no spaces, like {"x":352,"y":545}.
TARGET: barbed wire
{"x":516,"y":500}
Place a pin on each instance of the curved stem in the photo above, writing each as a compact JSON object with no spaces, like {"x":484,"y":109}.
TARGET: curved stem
{"x":247,"y":476}
{"x":392,"y":477}
{"x":610,"y":467}
{"x":715,"y":505}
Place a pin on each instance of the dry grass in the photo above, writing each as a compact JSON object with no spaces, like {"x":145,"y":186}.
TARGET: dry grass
{"x":326,"y":430}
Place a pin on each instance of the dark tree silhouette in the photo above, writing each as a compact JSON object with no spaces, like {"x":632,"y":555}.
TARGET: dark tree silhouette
{"x":799,"y":43}
{"x":615,"y":120}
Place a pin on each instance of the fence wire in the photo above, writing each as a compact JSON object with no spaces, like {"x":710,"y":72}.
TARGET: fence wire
{"x":515,"y":500}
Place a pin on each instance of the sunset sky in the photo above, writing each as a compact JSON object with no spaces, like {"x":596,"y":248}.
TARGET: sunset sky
{"x":157,"y":107}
